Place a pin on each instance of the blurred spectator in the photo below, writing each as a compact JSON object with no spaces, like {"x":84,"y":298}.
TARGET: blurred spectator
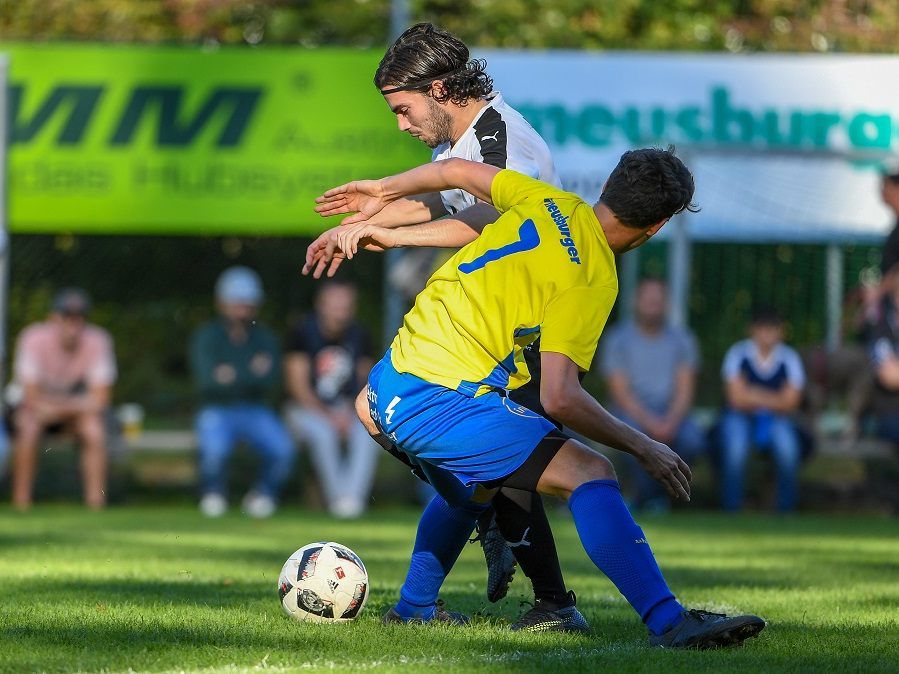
{"x":329,"y":355}
{"x":66,"y":369}
{"x":884,"y":350}
{"x":236,"y":364}
{"x":890,"y":194}
{"x":763,"y":380}
{"x":4,"y":450}
{"x":651,"y":367}
{"x":875,"y":292}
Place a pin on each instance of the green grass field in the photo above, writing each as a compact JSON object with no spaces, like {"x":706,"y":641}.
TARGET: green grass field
{"x":163,"y":590}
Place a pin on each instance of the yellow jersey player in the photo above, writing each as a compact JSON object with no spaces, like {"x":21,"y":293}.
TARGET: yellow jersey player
{"x":446,"y":100}
{"x":440,"y":391}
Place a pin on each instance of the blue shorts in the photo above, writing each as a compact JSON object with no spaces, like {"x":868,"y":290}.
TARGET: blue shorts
{"x":478,"y":439}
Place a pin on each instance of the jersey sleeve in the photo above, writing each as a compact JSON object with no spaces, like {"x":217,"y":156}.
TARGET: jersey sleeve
{"x":510,"y":188}
{"x":795,"y":371}
{"x":689,"y":351}
{"x":730,"y":368}
{"x":102,"y":370}
{"x":26,"y":364}
{"x":574,"y":321}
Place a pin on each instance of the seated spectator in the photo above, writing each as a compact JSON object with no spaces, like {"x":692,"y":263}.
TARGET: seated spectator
{"x":236,"y":365}
{"x":66,"y":368}
{"x":650,"y":368}
{"x":884,"y":351}
{"x":328,"y":358}
{"x":763,"y":380}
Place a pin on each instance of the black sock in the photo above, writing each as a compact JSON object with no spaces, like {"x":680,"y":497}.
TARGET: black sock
{"x":522,"y":522}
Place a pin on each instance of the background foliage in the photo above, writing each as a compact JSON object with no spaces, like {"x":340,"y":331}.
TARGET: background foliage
{"x":734,"y":25}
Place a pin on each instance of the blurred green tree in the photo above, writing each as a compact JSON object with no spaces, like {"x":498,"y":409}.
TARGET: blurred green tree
{"x":732,"y":25}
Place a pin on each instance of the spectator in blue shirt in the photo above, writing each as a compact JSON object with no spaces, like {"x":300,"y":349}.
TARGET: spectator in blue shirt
{"x":236,"y":365}
{"x":763,"y":379}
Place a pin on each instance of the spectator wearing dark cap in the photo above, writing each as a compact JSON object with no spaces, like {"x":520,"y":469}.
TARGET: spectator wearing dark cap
{"x":763,"y":379}
{"x":236,"y":365}
{"x":66,"y":368}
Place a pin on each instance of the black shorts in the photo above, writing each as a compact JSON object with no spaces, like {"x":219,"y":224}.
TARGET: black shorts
{"x":528,"y":474}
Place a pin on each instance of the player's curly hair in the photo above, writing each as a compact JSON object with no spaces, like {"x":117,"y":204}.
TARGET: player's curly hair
{"x":648,"y":186}
{"x":423,"y":54}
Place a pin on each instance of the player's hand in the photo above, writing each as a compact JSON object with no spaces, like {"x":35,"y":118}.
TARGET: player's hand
{"x":369,"y":237}
{"x":365,"y":198}
{"x":323,"y":252}
{"x":667,"y":468}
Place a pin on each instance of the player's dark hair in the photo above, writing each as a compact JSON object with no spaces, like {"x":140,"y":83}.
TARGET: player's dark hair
{"x":648,"y":186}
{"x":423,"y":54}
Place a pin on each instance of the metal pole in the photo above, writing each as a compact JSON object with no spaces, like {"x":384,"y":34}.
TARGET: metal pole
{"x":834,"y":294}
{"x":400,"y":14}
{"x":679,"y":251}
{"x":394,"y":304}
{"x":4,"y":234}
{"x":4,"y":249}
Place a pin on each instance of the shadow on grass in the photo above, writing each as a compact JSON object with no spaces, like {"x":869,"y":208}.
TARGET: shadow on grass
{"x":150,"y":646}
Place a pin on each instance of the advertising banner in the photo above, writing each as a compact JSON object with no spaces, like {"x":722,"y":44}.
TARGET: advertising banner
{"x":129,"y":139}
{"x":139,"y":139}
{"x":784,"y":147}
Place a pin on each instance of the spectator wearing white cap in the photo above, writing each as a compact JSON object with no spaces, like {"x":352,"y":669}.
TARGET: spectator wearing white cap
{"x":65,"y":368}
{"x":236,"y":366}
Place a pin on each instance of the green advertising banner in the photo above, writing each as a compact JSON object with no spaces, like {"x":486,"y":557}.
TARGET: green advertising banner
{"x":158,"y":140}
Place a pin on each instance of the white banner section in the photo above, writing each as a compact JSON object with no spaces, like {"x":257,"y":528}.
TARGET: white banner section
{"x":783,"y":147}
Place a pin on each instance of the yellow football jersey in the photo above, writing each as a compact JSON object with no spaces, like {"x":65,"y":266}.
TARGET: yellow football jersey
{"x":543,"y":266}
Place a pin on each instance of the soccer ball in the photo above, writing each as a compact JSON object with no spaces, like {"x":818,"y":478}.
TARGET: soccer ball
{"x":323,"y":583}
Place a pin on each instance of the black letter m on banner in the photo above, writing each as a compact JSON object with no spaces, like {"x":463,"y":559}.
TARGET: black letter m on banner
{"x":237,"y":103}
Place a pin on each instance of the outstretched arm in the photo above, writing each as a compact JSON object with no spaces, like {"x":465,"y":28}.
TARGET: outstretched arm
{"x":325,"y":254}
{"x":369,"y":197}
{"x":452,"y":232}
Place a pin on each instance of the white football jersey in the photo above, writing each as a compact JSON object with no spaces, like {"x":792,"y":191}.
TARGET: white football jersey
{"x":501,"y":137}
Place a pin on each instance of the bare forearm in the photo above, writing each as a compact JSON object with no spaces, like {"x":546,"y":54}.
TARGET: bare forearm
{"x":451,"y":232}
{"x":782,"y":402}
{"x":581,"y":413}
{"x":445,"y":233}
{"x":473,"y":177}
{"x":409,"y":211}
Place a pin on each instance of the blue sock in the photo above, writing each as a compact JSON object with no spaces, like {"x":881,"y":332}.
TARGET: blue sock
{"x":442,"y":533}
{"x":618,"y":547}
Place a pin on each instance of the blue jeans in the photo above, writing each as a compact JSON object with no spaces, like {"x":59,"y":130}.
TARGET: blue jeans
{"x":220,"y":427}
{"x":689,"y":443}
{"x":766,"y":431}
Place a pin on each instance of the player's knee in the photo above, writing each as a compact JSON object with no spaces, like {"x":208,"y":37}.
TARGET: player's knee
{"x":572,"y":466}
{"x":601,"y":467}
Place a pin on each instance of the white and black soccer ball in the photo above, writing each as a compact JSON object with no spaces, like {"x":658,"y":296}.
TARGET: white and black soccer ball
{"x":323,"y":582}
